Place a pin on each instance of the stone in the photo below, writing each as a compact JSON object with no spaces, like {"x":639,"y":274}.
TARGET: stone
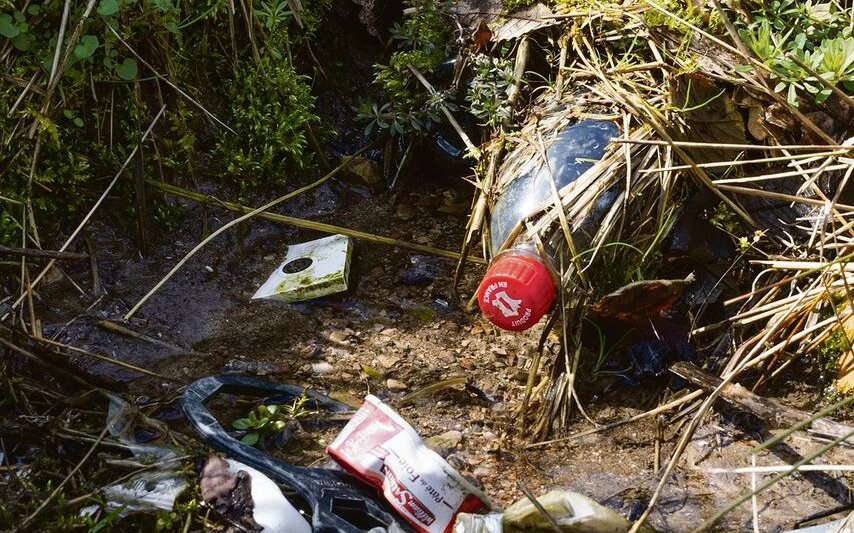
{"x":405,"y":212}
{"x":388,"y":360}
{"x":444,"y":443}
{"x":322,"y":367}
{"x":481,"y":472}
{"x":338,"y":336}
{"x":395,"y":385}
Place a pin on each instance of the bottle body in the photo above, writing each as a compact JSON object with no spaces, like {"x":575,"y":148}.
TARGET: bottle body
{"x":518,"y":288}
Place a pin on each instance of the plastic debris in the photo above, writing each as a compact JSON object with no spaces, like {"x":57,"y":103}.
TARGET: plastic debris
{"x":144,"y":436}
{"x":381,"y":449}
{"x":310,"y":270}
{"x":224,"y":485}
{"x":518,"y":288}
{"x":147,"y":491}
{"x":843,"y":525}
{"x":572,"y":512}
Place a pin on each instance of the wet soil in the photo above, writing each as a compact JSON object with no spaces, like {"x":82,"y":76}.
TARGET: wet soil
{"x":401,"y":328}
{"x":398,"y":329}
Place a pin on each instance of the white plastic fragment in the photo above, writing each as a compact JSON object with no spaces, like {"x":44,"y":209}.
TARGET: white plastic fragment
{"x":310,"y":270}
{"x":148,"y":491}
{"x":271,"y":510}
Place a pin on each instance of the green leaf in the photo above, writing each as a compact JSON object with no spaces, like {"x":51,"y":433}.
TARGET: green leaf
{"x":793,"y":96}
{"x":127,"y":70}
{"x":823,"y":95}
{"x":7,"y":28}
{"x":34,"y":9}
{"x":24,"y":42}
{"x":19,"y":17}
{"x":273,"y":409}
{"x":241,"y":423}
{"x":108,"y":7}
{"x":87,"y":46}
{"x":250,"y":439}
{"x":78,"y":122}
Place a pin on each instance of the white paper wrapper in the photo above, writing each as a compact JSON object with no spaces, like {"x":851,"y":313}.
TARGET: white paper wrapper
{"x":381,"y":449}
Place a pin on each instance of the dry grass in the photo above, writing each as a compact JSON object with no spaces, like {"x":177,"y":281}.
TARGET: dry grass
{"x":801,"y":295}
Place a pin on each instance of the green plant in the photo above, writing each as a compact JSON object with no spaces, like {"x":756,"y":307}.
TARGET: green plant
{"x":105,"y":96}
{"x":267,"y":421}
{"x":816,"y":35}
{"x":424,"y":41}
{"x":490,"y":89}
{"x":270,"y":107}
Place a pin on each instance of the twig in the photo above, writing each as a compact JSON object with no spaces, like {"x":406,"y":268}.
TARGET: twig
{"x":539,"y":507}
{"x":45,"y":254}
{"x":660,"y":409}
{"x":114,"y":327}
{"x":103,"y":358}
{"x":310,"y":224}
{"x":169,"y":83}
{"x":720,"y":514}
{"x":474,"y":150}
{"x":735,"y":146}
{"x":62,"y":368}
{"x":23,"y":525}
{"x":92,"y":210}
{"x":774,"y":413}
{"x":344,"y":164}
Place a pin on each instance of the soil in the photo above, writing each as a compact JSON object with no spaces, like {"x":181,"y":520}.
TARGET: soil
{"x":399,"y":329}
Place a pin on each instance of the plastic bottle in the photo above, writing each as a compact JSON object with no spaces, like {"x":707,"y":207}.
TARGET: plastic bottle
{"x":518,"y":288}
{"x":571,"y":511}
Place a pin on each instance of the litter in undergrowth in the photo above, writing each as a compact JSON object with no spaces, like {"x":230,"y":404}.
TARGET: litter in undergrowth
{"x":518,"y":289}
{"x":335,"y":500}
{"x":310,"y":270}
{"x":843,"y":525}
{"x":382,"y":449}
{"x":565,"y":511}
{"x":249,"y":498}
{"x":147,"y":491}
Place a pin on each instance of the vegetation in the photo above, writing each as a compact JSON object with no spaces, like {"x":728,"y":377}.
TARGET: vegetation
{"x":266,"y":421}
{"x":423,"y":42}
{"x":57,"y":142}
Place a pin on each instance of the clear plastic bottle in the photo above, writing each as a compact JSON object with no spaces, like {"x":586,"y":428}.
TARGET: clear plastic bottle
{"x":518,"y":288}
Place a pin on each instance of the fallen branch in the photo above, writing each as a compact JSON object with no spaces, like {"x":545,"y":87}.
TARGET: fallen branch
{"x":310,"y":224}
{"x":777,"y":415}
{"x":255,"y":212}
{"x":45,"y":254}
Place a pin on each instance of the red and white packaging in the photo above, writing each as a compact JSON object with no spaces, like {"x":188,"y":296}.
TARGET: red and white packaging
{"x":381,"y":449}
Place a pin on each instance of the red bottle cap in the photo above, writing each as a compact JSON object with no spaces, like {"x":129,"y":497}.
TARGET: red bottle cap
{"x":516,"y":292}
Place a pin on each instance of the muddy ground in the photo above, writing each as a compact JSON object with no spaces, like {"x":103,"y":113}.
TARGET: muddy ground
{"x":398,"y":329}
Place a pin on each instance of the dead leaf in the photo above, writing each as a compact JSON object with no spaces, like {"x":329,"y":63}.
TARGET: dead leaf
{"x":708,"y":115}
{"x":473,"y":13}
{"x":638,"y":301}
{"x":482,"y":36}
{"x":845,"y":366}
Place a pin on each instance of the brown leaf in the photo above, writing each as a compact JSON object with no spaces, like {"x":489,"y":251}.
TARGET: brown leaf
{"x":639,"y":300}
{"x":708,"y":114}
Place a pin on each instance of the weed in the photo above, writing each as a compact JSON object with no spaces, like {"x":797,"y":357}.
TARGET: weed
{"x":424,"y":41}
{"x":94,"y":119}
{"x":816,"y":34}
{"x":267,"y":421}
{"x":270,"y":108}
{"x":490,"y":89}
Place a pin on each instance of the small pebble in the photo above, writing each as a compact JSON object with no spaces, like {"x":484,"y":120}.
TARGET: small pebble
{"x":322,"y":367}
{"x":395,"y":385}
